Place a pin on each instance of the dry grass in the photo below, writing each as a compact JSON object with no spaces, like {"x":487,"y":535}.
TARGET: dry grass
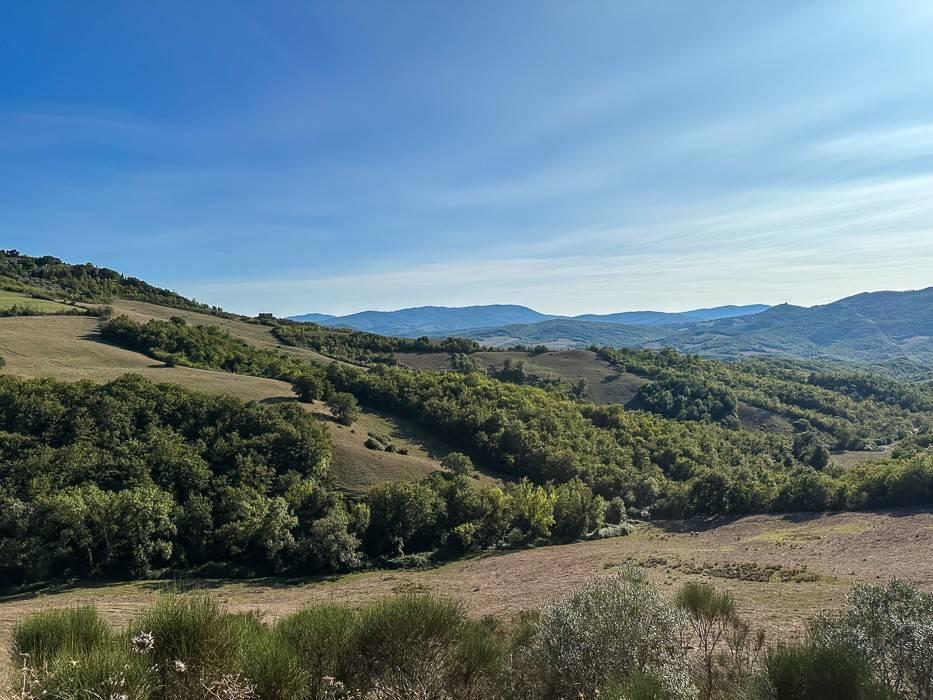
{"x":852,"y":458}
{"x":252,"y":333}
{"x":777,"y":586}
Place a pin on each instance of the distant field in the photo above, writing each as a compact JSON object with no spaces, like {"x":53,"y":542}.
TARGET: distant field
{"x":252,"y":333}
{"x":850,"y":458}
{"x":68,"y":348}
{"x":605,"y":385}
{"x":781,"y":569}
{"x":11,"y":299}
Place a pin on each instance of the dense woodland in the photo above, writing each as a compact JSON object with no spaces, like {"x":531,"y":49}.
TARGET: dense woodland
{"x":852,"y":410}
{"x":666,"y":466}
{"x":132,"y":478}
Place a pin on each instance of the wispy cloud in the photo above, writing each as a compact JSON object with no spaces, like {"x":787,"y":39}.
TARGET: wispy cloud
{"x":803,"y":246}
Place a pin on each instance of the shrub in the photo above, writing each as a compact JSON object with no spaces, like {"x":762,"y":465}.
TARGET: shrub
{"x":344,"y":407}
{"x":614,"y":627}
{"x":889,"y":628}
{"x":805,"y":672}
{"x":458,"y":463}
{"x":408,"y":641}
{"x":109,"y":671}
{"x":273,"y":668}
{"x":47,"y":634}
{"x":193,"y":630}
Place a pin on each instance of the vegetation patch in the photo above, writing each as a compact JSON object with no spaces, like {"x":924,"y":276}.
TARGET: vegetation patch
{"x":753,"y":571}
{"x":793,"y":536}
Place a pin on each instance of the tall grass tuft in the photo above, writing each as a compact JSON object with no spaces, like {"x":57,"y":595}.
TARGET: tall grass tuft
{"x":807,"y":672}
{"x":58,"y":632}
{"x":319,"y":637}
{"x":107,"y":671}
{"x":275,"y":670}
{"x":193,"y":641}
{"x":406,"y":639}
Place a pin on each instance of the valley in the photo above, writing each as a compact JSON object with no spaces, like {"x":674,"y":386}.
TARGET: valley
{"x":778,"y":482}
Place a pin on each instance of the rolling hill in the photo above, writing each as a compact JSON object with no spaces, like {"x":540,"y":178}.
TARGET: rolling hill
{"x":430,"y":320}
{"x":662,"y":318}
{"x":436,"y":321}
{"x":870,"y":328}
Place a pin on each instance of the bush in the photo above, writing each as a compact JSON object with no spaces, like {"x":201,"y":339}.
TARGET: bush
{"x":889,"y":629}
{"x":613,"y":628}
{"x":458,"y":463}
{"x":274,"y":669}
{"x":406,"y":642}
{"x":109,"y":671}
{"x":807,"y":672}
{"x":344,"y":407}
{"x":195,"y":631}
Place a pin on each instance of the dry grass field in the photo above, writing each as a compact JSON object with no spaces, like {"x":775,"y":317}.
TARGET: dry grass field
{"x":781,"y":569}
{"x":252,"y":333}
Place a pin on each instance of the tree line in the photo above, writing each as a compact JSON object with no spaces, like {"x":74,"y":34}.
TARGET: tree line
{"x":360,"y":347}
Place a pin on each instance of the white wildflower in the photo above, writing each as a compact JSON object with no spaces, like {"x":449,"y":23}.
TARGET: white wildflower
{"x":143,"y":643}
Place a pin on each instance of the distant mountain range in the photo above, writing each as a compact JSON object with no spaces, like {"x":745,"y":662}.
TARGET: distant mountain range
{"x":435,"y":321}
{"x":874,"y":327}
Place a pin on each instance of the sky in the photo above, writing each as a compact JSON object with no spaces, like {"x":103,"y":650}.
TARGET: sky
{"x":575,"y":157}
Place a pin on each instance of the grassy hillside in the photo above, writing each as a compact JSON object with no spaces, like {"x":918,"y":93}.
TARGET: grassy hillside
{"x":84,"y":282}
{"x":69,"y":349}
{"x":827,"y":553}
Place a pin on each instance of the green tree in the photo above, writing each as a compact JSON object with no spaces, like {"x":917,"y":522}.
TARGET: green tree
{"x":344,"y":407}
{"x":458,"y":463}
{"x":533,"y":508}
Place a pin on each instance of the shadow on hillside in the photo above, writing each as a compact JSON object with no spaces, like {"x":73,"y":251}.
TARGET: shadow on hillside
{"x":689,"y":525}
{"x":692,"y":524}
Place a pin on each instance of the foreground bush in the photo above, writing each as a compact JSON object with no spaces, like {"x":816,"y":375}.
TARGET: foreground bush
{"x":810,"y":672}
{"x":889,"y":629}
{"x":43,"y":636}
{"x":615,"y":628}
{"x":615,"y":638}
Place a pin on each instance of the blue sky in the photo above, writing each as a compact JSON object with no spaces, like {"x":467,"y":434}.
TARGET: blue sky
{"x":571,"y":156}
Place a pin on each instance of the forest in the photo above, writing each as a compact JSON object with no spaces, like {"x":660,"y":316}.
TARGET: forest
{"x":668,"y":467}
{"x":850,"y":409}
